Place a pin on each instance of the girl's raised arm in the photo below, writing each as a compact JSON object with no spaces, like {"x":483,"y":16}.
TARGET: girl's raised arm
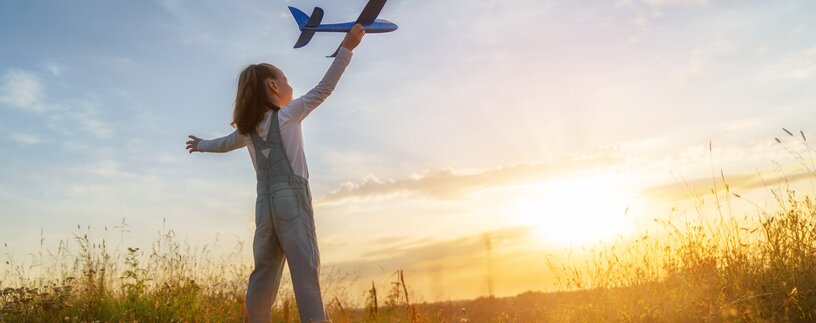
{"x":299,"y":108}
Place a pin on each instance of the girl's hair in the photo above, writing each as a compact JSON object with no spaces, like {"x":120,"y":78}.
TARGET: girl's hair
{"x":251,"y":101}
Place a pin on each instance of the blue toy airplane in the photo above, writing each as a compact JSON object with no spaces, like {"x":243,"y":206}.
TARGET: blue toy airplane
{"x":368,"y":18}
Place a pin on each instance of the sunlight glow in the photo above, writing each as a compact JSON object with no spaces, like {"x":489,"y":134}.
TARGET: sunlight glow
{"x":578,"y":211}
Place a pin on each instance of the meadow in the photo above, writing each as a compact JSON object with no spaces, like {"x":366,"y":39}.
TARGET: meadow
{"x":721,"y":267}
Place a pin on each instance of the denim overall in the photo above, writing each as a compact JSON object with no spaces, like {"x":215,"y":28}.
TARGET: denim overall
{"x":284,"y":229}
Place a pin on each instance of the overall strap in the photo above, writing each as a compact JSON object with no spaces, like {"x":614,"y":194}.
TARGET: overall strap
{"x":273,"y":137}
{"x":274,"y":127}
{"x":265,"y":150}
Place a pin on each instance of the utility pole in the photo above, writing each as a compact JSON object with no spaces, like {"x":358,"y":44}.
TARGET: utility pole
{"x":489,"y":247}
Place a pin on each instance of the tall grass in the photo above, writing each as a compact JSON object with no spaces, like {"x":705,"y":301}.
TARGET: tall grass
{"x":170,"y":282}
{"x":714,"y":268}
{"x":718,"y":271}
{"x":709,"y":268}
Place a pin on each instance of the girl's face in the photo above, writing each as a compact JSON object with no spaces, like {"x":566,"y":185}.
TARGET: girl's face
{"x":278,"y":89}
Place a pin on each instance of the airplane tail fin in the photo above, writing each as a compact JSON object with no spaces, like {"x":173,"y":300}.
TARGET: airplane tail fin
{"x":300,"y":17}
{"x":305,"y":21}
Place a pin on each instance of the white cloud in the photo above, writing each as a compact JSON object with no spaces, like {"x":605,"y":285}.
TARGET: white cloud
{"x":702,"y":58}
{"x":106,"y":168}
{"x":797,"y":65}
{"x":647,"y":11}
{"x":85,"y":113}
{"x":231,"y":27}
{"x":25,"y":138}
{"x":54,"y":68}
{"x":644,"y":17}
{"x":449,"y":183}
{"x":666,"y":3}
{"x":22,"y":90}
{"x":800,"y":65}
{"x":675,"y":2}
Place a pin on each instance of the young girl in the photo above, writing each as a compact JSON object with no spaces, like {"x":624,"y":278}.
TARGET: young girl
{"x":268,"y":124}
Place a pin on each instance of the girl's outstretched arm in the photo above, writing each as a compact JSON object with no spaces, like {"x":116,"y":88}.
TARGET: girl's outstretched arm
{"x":299,"y":108}
{"x":224,"y":144}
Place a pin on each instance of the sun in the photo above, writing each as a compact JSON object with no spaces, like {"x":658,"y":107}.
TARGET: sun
{"x":577,"y":211}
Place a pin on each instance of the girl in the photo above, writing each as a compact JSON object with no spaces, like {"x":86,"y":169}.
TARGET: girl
{"x":268,"y":124}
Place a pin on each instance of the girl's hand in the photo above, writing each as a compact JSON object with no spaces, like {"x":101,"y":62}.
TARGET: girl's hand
{"x":192,"y":145}
{"x":354,"y":36}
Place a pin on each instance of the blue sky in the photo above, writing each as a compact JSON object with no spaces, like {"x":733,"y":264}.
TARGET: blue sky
{"x":432,"y":127}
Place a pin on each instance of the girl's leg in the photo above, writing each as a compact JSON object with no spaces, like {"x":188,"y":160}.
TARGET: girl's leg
{"x":299,"y":241}
{"x":264,"y":281}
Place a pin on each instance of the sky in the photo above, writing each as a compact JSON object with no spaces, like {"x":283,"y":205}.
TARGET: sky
{"x":536,"y":125}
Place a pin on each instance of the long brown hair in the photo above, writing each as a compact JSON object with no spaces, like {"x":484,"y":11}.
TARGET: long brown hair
{"x":251,"y":101}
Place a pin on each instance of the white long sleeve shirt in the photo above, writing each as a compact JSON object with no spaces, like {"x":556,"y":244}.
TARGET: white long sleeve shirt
{"x":289,"y":120}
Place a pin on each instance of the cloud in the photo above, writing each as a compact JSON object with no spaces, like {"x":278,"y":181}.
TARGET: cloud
{"x":647,"y":11}
{"x":231,"y":27}
{"x":106,"y":168}
{"x":27,"y":139}
{"x":799,"y":65}
{"x":22,"y":90}
{"x":85,"y":113}
{"x":54,"y":68}
{"x":662,"y":3}
{"x":425,"y":252}
{"x":666,"y":3}
{"x":707,"y":56}
{"x":450,"y":183}
{"x":456,"y":267}
{"x":689,"y":189}
{"x":429,"y":249}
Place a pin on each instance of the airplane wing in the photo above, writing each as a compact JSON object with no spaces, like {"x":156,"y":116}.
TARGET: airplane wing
{"x":371,"y":11}
{"x":367,"y":17}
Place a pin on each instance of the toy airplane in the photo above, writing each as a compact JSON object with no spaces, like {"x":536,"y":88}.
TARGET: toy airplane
{"x":368,"y":18}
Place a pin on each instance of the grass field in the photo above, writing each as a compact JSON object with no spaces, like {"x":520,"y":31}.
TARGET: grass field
{"x":709,"y":269}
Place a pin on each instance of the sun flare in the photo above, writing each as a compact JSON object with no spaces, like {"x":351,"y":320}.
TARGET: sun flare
{"x":577,"y":211}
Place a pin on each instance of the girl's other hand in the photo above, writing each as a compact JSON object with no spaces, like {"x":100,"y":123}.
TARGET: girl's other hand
{"x":192,"y":145}
{"x":354,"y":36}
